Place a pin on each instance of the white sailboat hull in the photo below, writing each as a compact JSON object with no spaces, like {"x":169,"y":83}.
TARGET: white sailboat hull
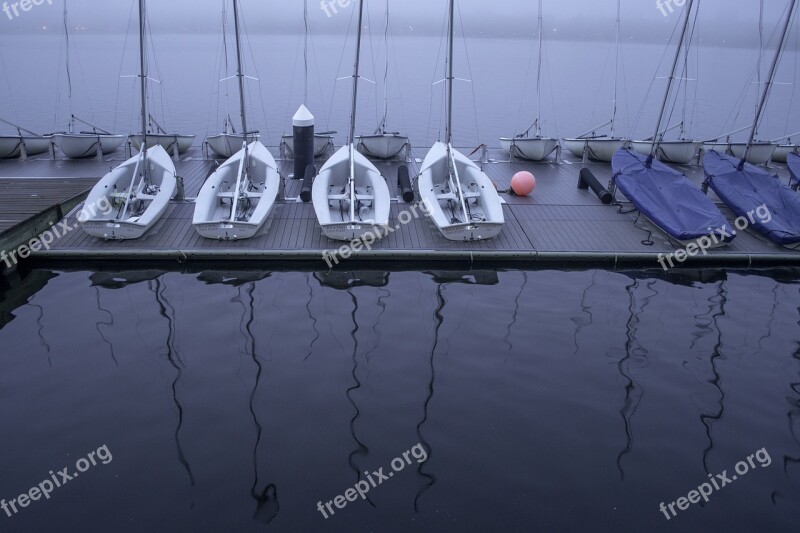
{"x":147,"y":203}
{"x":167,"y":142}
{"x":79,"y":145}
{"x":321,"y":144}
{"x":531,"y":148}
{"x":212,"y":211}
{"x":227,"y":144}
{"x":675,"y":152}
{"x":331,"y":197}
{"x":444,"y":207}
{"x":760,"y":153}
{"x":11,"y":147}
{"x":782,"y":152}
{"x":386,"y":146}
{"x":598,"y":149}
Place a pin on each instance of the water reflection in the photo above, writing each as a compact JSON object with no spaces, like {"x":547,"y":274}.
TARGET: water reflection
{"x":438,"y":318}
{"x":99,"y":323}
{"x":18,"y":289}
{"x":158,"y":287}
{"x":267,"y":505}
{"x":634,"y":352}
{"x":708,"y":419}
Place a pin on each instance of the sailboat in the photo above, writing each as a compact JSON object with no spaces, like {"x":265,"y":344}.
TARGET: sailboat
{"x":237,"y":198}
{"x":681,"y":150}
{"x":322,"y":140}
{"x":83,"y":144}
{"x":536,"y":148}
{"x":351,"y":198}
{"x":229,"y":141}
{"x":383,"y":144}
{"x":462,"y":201}
{"x":25,"y":143}
{"x":153,"y":134}
{"x":746,"y":188}
{"x":140,"y":189}
{"x":757,"y":152}
{"x":591,"y":145}
{"x":664,"y":195}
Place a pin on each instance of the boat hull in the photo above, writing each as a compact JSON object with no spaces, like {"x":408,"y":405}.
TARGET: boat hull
{"x":760,"y":153}
{"x":385,"y":146}
{"x":483,"y":202}
{"x":751,"y":190}
{"x":78,"y":145}
{"x":330,"y":195}
{"x":226,"y":144}
{"x":669,"y":200}
{"x":782,"y":152}
{"x":597,"y":149}
{"x":11,"y":147}
{"x":321,"y":144}
{"x":213,"y":206}
{"x":675,"y":152}
{"x":532,"y":149}
{"x":147,"y":204}
{"x":167,"y":142}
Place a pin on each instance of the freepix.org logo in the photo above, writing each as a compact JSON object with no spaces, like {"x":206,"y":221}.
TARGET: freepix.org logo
{"x":667,"y":7}
{"x":15,"y":9}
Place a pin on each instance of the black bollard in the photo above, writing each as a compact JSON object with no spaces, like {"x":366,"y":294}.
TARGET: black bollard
{"x":404,"y":183}
{"x":303,"y":149}
{"x":308,"y":183}
{"x":587,"y":180}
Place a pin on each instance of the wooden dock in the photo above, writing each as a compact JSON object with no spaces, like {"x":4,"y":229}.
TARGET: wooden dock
{"x":557,"y":225}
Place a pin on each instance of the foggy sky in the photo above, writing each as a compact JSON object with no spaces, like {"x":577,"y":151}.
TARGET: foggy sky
{"x":729,"y":22}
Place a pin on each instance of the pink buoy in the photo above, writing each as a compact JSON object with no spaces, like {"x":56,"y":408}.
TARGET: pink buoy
{"x":523,"y":183}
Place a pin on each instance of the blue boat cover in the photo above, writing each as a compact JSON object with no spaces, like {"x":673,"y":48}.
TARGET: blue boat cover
{"x":744,"y":191}
{"x":667,"y":198}
{"x":793,"y":160}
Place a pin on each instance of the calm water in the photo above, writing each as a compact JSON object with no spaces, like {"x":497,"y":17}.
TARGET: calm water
{"x":577,"y":86}
{"x":544,"y":401}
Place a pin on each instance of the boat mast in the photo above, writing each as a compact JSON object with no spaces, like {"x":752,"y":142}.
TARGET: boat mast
{"x":305,"y":52}
{"x":143,"y":74}
{"x":768,"y":84}
{"x":355,"y":74}
{"x":656,"y":136}
{"x":240,"y":72}
{"x":69,"y":77}
{"x":450,"y":80}
{"x":228,"y":125}
{"x":538,"y":130}
{"x":382,"y":128}
{"x":616,"y":71}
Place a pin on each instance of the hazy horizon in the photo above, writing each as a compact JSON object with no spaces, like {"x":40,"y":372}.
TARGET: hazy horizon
{"x":720,"y":22}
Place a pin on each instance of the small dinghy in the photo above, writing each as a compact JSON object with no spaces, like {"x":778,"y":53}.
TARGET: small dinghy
{"x":11,"y":147}
{"x":461,"y":200}
{"x":81,"y":145}
{"x":350,"y":196}
{"x":138,"y":191}
{"x":237,"y":198}
{"x":669,"y":200}
{"x":748,"y":189}
{"x":680,"y":152}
